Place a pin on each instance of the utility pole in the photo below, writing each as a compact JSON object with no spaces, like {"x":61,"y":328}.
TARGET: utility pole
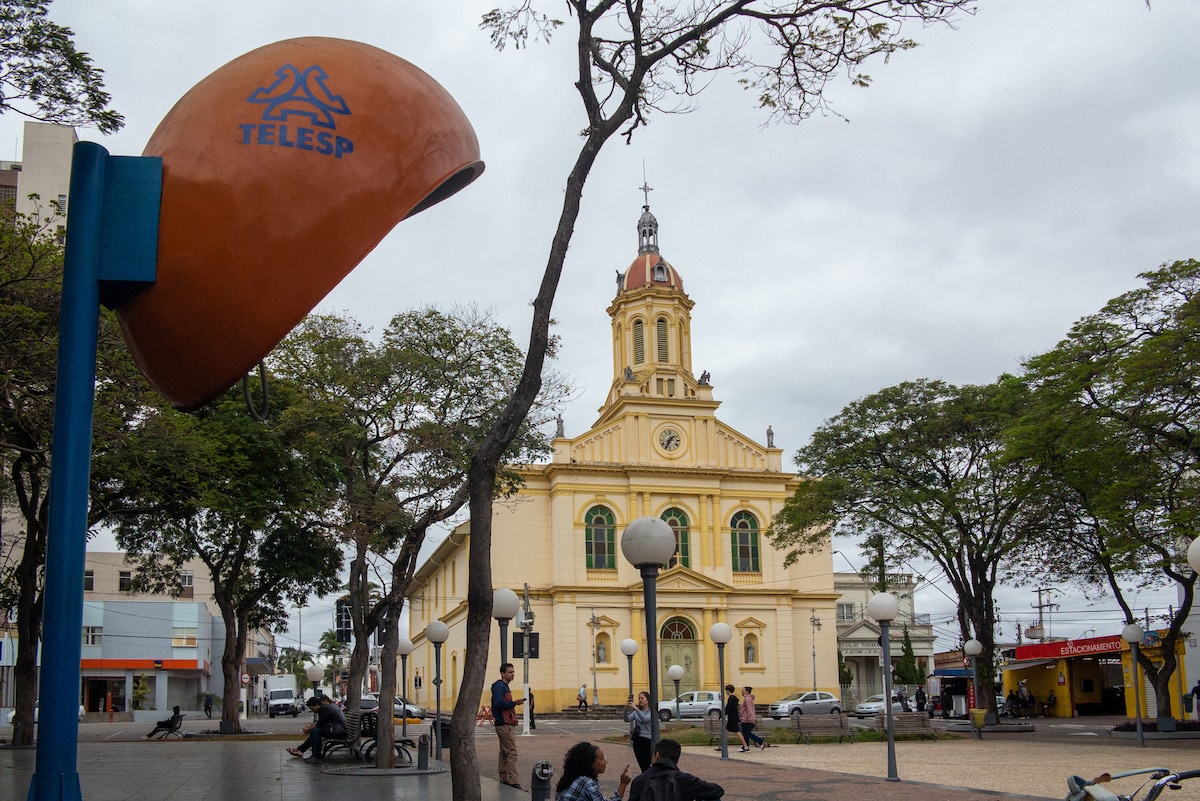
{"x":1038,"y":632}
{"x":526,"y":625}
{"x":593,"y":626}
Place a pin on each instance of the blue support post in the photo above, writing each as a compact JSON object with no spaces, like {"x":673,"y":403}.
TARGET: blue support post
{"x":131,"y":189}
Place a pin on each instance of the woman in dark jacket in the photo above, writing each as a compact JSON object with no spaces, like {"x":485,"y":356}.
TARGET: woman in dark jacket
{"x":733,"y":722}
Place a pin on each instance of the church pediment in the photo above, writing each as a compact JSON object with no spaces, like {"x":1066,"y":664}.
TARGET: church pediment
{"x":682,"y":579}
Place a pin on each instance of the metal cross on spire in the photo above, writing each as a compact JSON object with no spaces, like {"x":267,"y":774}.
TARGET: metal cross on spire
{"x":645,"y":187}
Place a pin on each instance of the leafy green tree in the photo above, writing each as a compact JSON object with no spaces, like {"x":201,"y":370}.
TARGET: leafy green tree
{"x":43,"y":76}
{"x":1117,"y":407}
{"x":246,"y":498}
{"x":921,"y":467}
{"x":633,"y":60}
{"x":295,"y":661}
{"x":406,"y":412}
{"x":31,"y":262}
{"x":908,"y":671}
{"x":845,"y":674}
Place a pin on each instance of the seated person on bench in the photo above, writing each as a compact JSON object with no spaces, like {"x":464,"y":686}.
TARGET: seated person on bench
{"x":170,"y":724}
{"x":1048,"y":704}
{"x":330,"y":723}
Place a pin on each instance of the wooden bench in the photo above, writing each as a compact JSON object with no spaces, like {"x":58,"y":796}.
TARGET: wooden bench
{"x":713,"y":727}
{"x":809,"y":726}
{"x":349,"y":742}
{"x":369,"y":731}
{"x":908,"y":723}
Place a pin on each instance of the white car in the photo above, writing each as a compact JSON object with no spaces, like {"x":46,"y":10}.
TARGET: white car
{"x":875,"y":706}
{"x":13,"y":713}
{"x":805,"y":703}
{"x":692,"y":705}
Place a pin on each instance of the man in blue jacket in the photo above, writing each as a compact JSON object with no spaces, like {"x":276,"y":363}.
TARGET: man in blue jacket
{"x":505,"y":721}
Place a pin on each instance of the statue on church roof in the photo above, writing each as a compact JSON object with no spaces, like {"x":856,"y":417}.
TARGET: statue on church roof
{"x":558,"y":432}
{"x":704,"y":378}
{"x":770,"y":437}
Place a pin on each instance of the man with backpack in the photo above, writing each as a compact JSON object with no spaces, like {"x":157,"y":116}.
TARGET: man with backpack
{"x":664,"y":781}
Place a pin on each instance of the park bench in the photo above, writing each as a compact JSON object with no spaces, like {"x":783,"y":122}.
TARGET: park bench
{"x":349,"y":742}
{"x":907,"y":723}
{"x":712,"y":727}
{"x":809,"y":726}
{"x":174,"y":730}
{"x":369,"y":730}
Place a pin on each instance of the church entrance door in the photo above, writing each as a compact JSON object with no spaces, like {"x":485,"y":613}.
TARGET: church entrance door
{"x":678,"y":646}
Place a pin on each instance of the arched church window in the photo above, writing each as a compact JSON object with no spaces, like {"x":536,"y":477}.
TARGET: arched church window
{"x":743,"y":537}
{"x":677,"y":629}
{"x":660,"y":272}
{"x":677,"y":519}
{"x":661,"y":339}
{"x":639,"y":342}
{"x":600,"y":534}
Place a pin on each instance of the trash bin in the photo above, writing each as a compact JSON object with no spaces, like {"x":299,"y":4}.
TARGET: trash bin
{"x":443,"y":731}
{"x":977,"y":717}
{"x":1187,"y":703}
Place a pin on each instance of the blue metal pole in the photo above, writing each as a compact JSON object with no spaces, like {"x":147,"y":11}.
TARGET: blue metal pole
{"x":56,"y":773}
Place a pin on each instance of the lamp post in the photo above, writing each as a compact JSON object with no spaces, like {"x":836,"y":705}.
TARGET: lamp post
{"x":720,"y":633}
{"x":593,"y":627}
{"x":647,"y":543}
{"x":315,"y":673}
{"x":1193,"y":555}
{"x":404,"y":647}
{"x":629,"y":648}
{"x":816,"y":626}
{"x":505,"y":605}
{"x":883,"y":608}
{"x":437,"y":633}
{"x":973,"y":648}
{"x":675,"y":673}
{"x":525,"y":623}
{"x":1133,"y":634}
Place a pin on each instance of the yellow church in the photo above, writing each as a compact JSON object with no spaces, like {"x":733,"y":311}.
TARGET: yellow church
{"x":657,"y":448}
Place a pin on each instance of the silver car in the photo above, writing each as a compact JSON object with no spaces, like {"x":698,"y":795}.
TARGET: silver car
{"x":692,"y":705}
{"x":805,"y":703}
{"x":874,"y":705}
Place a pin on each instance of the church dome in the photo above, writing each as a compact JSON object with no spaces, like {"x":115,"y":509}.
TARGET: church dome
{"x":651,"y":269}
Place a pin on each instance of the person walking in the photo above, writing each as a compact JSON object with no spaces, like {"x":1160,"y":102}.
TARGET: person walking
{"x":208,"y":701}
{"x":582,"y":705}
{"x":748,"y":717}
{"x":733,"y":716}
{"x":504,"y":720}
{"x":638,"y":718}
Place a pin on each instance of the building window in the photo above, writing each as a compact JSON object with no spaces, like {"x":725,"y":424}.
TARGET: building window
{"x":677,"y":629}
{"x":600,"y":539}
{"x":639,"y":342}
{"x":678,"y":521}
{"x":660,"y":272}
{"x":92,"y":635}
{"x":744,"y":539}
{"x":187,"y":583}
{"x":845,"y":612}
{"x":125,"y":581}
{"x":184,"y":637}
{"x":89,"y":580}
{"x":661,"y":339}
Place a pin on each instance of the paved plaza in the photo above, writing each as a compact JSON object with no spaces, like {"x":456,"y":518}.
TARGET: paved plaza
{"x":115,"y":764}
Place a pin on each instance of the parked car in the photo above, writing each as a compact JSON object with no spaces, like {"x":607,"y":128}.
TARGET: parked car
{"x":874,"y":705}
{"x":400,"y":707}
{"x":692,"y":705}
{"x":805,"y":703}
{"x":368,"y":703}
{"x":12,"y":714}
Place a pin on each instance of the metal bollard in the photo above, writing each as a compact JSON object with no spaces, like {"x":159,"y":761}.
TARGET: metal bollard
{"x":423,"y":752}
{"x":539,"y":781}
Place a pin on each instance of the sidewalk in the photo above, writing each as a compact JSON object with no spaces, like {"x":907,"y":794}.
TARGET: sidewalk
{"x":125,"y":769}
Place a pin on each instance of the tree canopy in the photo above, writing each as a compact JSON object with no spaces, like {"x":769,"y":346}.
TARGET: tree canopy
{"x":43,"y":76}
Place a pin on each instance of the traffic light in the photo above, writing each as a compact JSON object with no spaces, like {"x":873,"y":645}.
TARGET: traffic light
{"x":342,"y":626}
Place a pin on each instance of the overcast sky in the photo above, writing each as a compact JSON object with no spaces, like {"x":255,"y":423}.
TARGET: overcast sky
{"x":989,"y":189}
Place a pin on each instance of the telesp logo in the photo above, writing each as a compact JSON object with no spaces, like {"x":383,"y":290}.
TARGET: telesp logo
{"x":298,"y":94}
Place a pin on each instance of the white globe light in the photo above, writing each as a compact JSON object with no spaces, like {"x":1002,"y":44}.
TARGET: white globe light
{"x":1132,"y":633}
{"x":675,"y":672}
{"x":405,"y":646}
{"x":315,"y":673}
{"x":437,"y":632}
{"x":973,"y":647}
{"x":647,"y":541}
{"x":1193,"y":554}
{"x":883,"y":606}
{"x":720,"y":633}
{"x":629,"y":647}
{"x":505,"y":604}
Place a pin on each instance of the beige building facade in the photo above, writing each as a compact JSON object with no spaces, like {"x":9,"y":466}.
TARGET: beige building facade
{"x":657,"y":449}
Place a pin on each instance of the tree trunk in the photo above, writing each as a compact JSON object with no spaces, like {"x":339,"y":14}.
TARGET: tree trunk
{"x":231,"y":667}
{"x":30,"y":600}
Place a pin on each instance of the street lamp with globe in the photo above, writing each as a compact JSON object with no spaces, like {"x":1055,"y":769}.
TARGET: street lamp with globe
{"x":1132,"y":634}
{"x":437,"y":633}
{"x":315,"y":673}
{"x":629,"y":647}
{"x":675,"y":673}
{"x":721,"y":634}
{"x":883,"y":608}
{"x":647,"y":543}
{"x":505,"y":605}
{"x":404,"y":647}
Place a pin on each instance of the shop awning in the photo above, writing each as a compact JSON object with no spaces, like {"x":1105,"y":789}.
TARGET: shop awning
{"x":1028,"y":663}
{"x":257,"y":666}
{"x":954,"y":673}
